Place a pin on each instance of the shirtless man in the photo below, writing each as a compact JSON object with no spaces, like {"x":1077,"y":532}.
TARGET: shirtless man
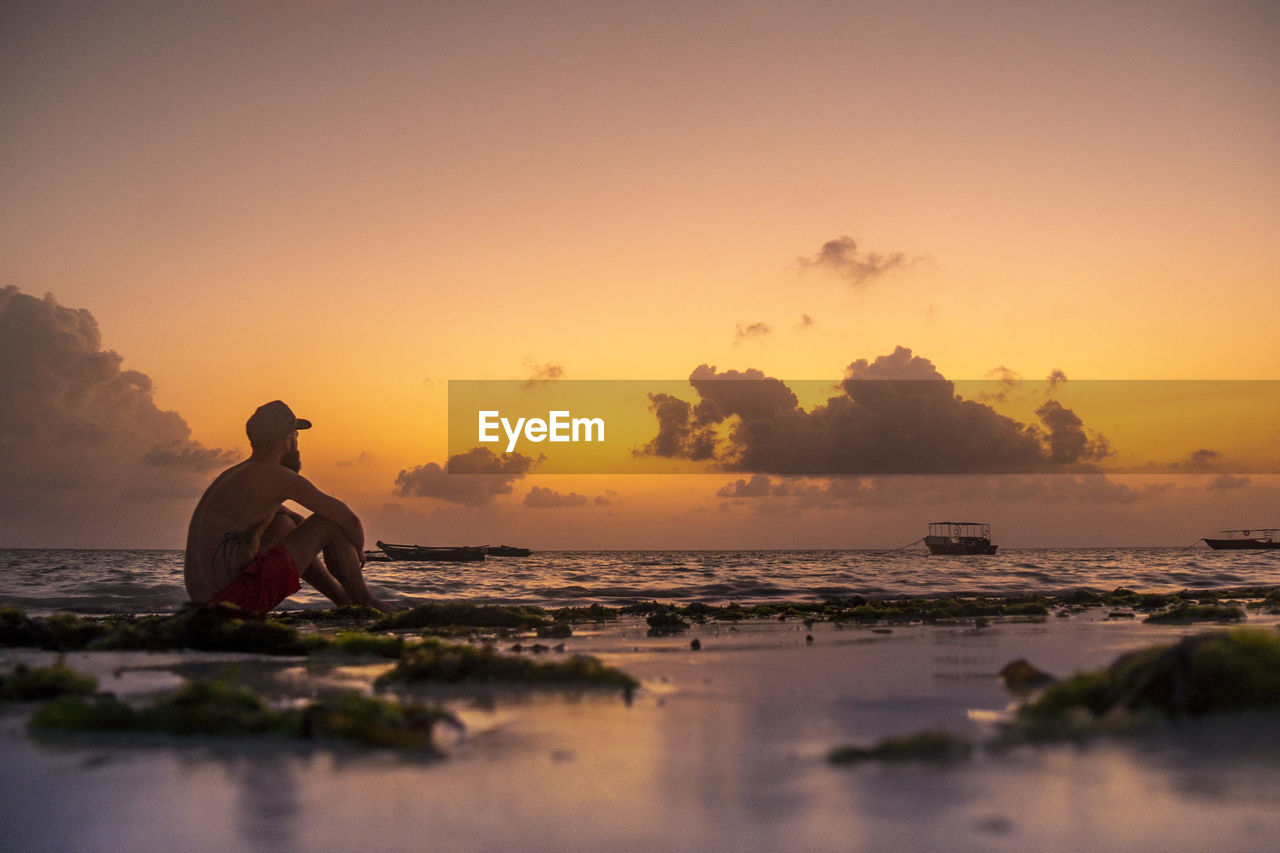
{"x":244,"y":547}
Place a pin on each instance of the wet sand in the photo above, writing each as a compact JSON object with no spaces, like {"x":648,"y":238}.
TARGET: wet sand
{"x":721,"y":748}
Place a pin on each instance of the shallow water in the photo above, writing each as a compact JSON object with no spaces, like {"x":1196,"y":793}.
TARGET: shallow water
{"x":721,"y":749}
{"x":106,"y":581}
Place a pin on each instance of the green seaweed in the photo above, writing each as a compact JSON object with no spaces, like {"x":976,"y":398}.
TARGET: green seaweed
{"x":667,"y":621}
{"x":58,"y":632}
{"x":218,"y":708}
{"x":440,"y":614}
{"x":356,"y":643}
{"x":1186,"y":614}
{"x":435,"y":661}
{"x":25,"y":684}
{"x":220,"y":627}
{"x":643,"y":608}
{"x":1202,"y":674}
{"x":933,"y":745}
{"x":373,"y":721}
{"x":350,"y":615}
{"x":594,"y":613}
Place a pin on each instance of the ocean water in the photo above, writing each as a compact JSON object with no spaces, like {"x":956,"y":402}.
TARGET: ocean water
{"x":124,"y":581}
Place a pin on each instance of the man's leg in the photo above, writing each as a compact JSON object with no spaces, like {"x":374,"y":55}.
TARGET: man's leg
{"x":313,"y":571}
{"x":318,"y":534}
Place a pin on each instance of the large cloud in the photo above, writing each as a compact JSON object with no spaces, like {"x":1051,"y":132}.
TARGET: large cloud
{"x":473,"y":478}
{"x":894,"y":415}
{"x":82,"y":443}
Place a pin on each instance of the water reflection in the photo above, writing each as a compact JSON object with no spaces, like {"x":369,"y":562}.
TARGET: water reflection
{"x":266,"y":803}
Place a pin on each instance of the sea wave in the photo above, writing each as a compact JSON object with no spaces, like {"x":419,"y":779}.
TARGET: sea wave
{"x":123,"y":581}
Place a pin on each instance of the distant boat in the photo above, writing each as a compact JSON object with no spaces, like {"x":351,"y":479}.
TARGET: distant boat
{"x":457,"y":554}
{"x":959,"y":537}
{"x":505,"y":551}
{"x":1258,"y":539}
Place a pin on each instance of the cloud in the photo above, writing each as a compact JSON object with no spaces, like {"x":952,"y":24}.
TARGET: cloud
{"x":1228,"y":481}
{"x":539,"y":497}
{"x":473,"y":478}
{"x":364,"y":457}
{"x":543,"y":373}
{"x":842,"y":257}
{"x":1067,"y":440}
{"x":81,"y":438}
{"x":894,"y":415}
{"x":1007,"y":380}
{"x":751,"y":330}
{"x":806,"y":322}
{"x":1203,"y":459}
{"x":841,"y":492}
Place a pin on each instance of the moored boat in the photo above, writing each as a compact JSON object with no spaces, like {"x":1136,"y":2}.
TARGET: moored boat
{"x":456,"y":554}
{"x":959,"y":537}
{"x":506,"y":551}
{"x":1255,"y":539}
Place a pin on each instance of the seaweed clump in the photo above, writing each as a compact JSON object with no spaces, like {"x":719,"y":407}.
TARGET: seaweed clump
{"x":921,"y":746}
{"x":1203,"y":674}
{"x":357,"y":643}
{"x":434,"y":661}
{"x":593,"y":613}
{"x":462,"y":614}
{"x":217,"y":627}
{"x":24,"y":683}
{"x":57,"y":632}
{"x":218,"y":708}
{"x":1185,"y":614}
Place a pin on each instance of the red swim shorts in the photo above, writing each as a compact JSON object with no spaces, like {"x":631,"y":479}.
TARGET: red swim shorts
{"x":269,"y":579}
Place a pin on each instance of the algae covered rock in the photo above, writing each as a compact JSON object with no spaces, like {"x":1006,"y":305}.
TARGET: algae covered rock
{"x":58,"y":632}
{"x":218,"y":628}
{"x":1185,"y":614}
{"x":357,"y":643}
{"x":1021,"y":674}
{"x":1203,"y":674}
{"x":435,"y":661}
{"x":374,"y":722}
{"x":452,"y":614}
{"x":218,"y":708}
{"x":24,"y":683}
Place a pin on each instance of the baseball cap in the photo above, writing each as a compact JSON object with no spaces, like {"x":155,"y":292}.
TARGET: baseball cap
{"x":272,"y":421}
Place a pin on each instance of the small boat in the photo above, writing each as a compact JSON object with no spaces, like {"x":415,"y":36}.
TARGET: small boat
{"x":1257,"y":539}
{"x":456,"y":554}
{"x":505,"y":551}
{"x":959,"y":537}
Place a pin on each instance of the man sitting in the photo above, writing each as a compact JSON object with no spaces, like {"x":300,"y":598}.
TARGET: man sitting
{"x":245,"y":548}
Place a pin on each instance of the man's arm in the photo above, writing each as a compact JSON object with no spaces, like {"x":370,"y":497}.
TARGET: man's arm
{"x":300,"y":489}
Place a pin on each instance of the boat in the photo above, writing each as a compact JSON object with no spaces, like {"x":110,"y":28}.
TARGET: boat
{"x":439,"y":553}
{"x":959,"y":537}
{"x":1257,"y":539}
{"x":505,"y":551}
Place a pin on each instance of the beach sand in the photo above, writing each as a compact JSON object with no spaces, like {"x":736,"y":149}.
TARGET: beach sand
{"x":722,"y":748}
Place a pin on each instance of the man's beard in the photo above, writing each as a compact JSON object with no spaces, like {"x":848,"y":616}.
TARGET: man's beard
{"x":292,"y":460}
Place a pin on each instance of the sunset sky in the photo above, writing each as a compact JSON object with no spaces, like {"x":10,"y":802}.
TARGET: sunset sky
{"x":347,"y":205}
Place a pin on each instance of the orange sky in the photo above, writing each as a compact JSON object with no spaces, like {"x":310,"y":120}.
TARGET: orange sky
{"x":349,"y":204}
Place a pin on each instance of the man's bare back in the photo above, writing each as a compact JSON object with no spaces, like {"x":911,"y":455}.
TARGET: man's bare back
{"x":239,"y":519}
